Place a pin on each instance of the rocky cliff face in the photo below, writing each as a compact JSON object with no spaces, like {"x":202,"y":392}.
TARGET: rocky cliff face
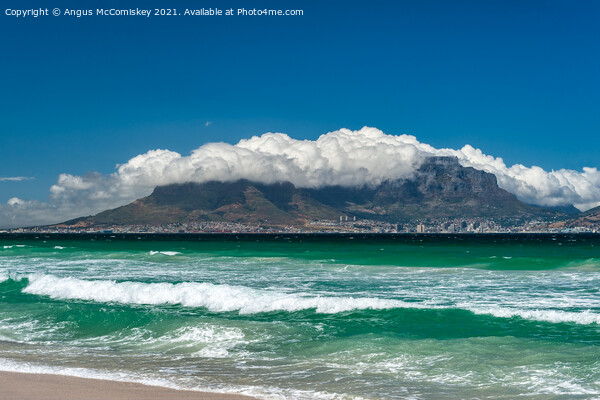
{"x":440,"y":188}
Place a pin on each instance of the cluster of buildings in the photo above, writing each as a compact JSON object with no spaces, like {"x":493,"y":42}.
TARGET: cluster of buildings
{"x":491,"y":225}
{"x":343,"y":225}
{"x":191,"y":227}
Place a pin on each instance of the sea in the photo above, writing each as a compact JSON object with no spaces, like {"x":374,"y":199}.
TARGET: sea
{"x":310,"y":316}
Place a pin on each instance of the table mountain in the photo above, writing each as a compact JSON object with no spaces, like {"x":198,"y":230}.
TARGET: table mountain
{"x":440,"y":188}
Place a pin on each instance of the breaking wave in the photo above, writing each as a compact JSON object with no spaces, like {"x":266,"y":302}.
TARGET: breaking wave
{"x":217,"y":298}
{"x":555,"y":316}
{"x":166,"y":253}
{"x":245,"y":300}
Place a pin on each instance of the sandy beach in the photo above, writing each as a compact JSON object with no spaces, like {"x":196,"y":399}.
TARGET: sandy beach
{"x":20,"y":386}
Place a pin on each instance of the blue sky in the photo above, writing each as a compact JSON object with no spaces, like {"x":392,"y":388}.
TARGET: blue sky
{"x":517,"y":79}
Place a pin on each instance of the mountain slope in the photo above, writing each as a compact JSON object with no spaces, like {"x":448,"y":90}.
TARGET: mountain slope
{"x":587,"y":219}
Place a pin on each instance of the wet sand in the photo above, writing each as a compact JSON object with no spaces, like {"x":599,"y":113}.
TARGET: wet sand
{"x":20,"y":386}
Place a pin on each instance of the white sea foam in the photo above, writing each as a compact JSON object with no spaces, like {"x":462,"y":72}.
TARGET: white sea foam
{"x":59,"y":247}
{"x":554,"y":316}
{"x":202,"y":340}
{"x":32,"y":330}
{"x":218,"y":298}
{"x":7,"y":339}
{"x":11,"y":366}
{"x":216,"y":340}
{"x":166,"y":253}
{"x":267,"y":393}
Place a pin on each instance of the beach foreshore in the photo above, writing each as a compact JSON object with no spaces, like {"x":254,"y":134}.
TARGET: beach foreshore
{"x":25,"y":386}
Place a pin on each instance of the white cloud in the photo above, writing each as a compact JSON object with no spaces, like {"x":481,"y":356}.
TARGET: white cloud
{"x":344,"y":157}
{"x":533,"y":184}
{"x":15,"y":202}
{"x":15,"y":178}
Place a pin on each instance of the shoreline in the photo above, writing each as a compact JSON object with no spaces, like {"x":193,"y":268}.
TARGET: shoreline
{"x":193,"y":236}
{"x":36,"y":386}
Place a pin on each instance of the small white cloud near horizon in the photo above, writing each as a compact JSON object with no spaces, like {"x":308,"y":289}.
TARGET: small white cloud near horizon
{"x":208,"y":123}
{"x":15,"y":178}
{"x":348,"y":158}
{"x":15,"y":201}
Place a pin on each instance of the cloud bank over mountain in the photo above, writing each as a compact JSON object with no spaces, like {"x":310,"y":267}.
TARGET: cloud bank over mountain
{"x":344,"y":157}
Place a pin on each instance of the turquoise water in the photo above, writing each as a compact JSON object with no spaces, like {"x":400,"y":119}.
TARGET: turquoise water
{"x":309,"y":317}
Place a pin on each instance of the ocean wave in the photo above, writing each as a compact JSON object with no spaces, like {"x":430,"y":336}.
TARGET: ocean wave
{"x":555,"y":316}
{"x":202,"y":340}
{"x":166,"y":253}
{"x":217,"y":298}
{"x":245,"y":300}
{"x":10,"y":246}
{"x":7,"y":339}
{"x":216,"y":341}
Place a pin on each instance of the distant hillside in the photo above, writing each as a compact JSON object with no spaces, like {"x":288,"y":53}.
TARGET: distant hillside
{"x":440,"y":188}
{"x":589,"y":218}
